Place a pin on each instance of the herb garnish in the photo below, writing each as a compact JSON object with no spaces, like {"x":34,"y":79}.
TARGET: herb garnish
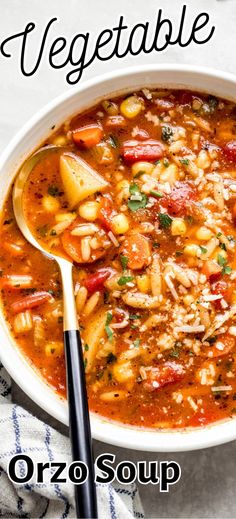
{"x":185,"y":162}
{"x":109,"y":331}
{"x":141,"y":201}
{"x":166,"y":133}
{"x":125,"y":279}
{"x":124,"y":262}
{"x":165,"y":220}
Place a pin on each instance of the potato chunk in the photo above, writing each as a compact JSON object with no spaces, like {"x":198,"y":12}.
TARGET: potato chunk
{"x":79,"y":179}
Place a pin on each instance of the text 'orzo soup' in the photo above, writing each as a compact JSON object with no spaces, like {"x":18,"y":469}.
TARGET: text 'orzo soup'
{"x":141,"y":196}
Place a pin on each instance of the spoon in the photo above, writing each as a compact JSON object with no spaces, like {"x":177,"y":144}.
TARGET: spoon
{"x":79,"y":424}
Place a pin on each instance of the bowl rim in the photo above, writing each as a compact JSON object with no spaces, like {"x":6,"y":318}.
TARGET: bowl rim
{"x":104,"y":430}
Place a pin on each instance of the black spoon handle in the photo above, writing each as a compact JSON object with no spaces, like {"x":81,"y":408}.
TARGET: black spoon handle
{"x":80,"y":434}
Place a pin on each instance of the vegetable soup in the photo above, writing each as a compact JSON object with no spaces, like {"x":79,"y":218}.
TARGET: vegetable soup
{"x":140,"y":195}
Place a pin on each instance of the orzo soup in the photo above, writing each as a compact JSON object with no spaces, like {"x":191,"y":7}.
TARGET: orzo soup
{"x":141,"y":196}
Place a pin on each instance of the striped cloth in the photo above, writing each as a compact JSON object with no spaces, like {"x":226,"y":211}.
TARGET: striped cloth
{"x":20,"y":432}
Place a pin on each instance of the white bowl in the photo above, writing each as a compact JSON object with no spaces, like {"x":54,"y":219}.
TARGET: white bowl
{"x":30,"y":137}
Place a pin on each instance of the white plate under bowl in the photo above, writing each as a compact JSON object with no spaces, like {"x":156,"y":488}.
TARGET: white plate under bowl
{"x":29,"y":138}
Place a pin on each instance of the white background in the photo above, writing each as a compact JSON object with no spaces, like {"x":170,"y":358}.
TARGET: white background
{"x":207,"y":487}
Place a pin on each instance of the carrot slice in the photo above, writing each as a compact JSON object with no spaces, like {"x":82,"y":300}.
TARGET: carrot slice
{"x":25,"y":303}
{"x":137,"y":248}
{"x":88,"y":136}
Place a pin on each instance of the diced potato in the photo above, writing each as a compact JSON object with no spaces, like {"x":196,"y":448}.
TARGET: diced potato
{"x":79,"y":179}
{"x":23,"y":322}
{"x":192,"y":250}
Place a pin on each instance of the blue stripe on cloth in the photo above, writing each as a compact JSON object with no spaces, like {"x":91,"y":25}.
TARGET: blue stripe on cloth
{"x":112,"y":503}
{"x":16,"y":428}
{"x":57,"y":488}
{"x":4,"y":420}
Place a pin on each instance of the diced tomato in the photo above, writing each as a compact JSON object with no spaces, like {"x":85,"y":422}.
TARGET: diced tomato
{"x":106,"y":213}
{"x":212,"y":270}
{"x":224,"y":344}
{"x":220,"y":288}
{"x":136,"y":247}
{"x":96,"y":281}
{"x":229,"y":150}
{"x":27,"y":302}
{"x":16,"y":282}
{"x":160,"y":376}
{"x":179,"y":201}
{"x":88,"y":136}
{"x":149,"y":150}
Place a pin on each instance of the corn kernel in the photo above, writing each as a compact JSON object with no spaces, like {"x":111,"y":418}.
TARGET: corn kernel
{"x":131,"y":107}
{"x":178,"y":227}
{"x":192,"y":250}
{"x":170,"y":174}
{"x":203,"y":234}
{"x":188,"y":300}
{"x":123,"y":371}
{"x":51,"y":204}
{"x":143,"y":283}
{"x":120,"y":224}
{"x":89,"y":211}
{"x":142,"y":167}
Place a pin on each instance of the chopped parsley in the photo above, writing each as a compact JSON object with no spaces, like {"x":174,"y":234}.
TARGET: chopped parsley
{"x":53,"y":191}
{"x":185,"y":162}
{"x":202,"y":249}
{"x":136,"y":343}
{"x":166,"y":133}
{"x":223,"y":246}
{"x":165,"y":220}
{"x":125,"y":279}
{"x":124,"y":262}
{"x":133,"y":317}
{"x":156,"y":194}
{"x":221,"y":260}
{"x":227,"y":270}
{"x":141,"y":201}
{"x":109,"y":331}
{"x":86,"y":347}
{"x":219,"y":234}
{"x":212,"y":103}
